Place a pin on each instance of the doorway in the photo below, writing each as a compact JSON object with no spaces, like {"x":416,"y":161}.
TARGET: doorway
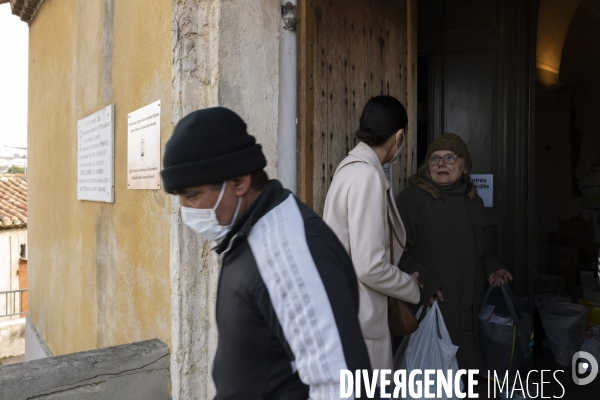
{"x":348,"y":54}
{"x":474,"y":81}
{"x":460,"y":66}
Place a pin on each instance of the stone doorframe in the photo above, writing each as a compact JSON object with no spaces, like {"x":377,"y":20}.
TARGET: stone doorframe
{"x":224,"y":53}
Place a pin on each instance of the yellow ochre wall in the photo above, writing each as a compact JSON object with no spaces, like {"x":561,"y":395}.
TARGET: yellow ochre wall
{"x":99,"y":272}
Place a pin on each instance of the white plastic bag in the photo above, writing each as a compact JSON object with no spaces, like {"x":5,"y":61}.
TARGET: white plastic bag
{"x":563,"y":326}
{"x":429,"y":348}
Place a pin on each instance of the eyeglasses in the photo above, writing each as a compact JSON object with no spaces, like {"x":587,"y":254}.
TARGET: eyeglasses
{"x":448,"y":159}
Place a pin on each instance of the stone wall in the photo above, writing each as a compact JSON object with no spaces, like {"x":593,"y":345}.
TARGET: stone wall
{"x":224,"y":53}
{"x":98,"y":272}
{"x":105,"y":274}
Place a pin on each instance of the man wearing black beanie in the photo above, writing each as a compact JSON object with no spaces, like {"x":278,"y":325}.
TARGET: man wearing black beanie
{"x":287,"y":300}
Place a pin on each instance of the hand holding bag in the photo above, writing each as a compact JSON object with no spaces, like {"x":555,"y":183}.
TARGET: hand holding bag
{"x":430,"y":347}
{"x":505,"y":346}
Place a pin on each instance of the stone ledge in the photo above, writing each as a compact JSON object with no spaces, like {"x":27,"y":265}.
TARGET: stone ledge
{"x":12,"y":337}
{"x":132,"y":371}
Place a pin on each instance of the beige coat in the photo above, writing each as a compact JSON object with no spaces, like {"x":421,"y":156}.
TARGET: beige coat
{"x":356,"y":209}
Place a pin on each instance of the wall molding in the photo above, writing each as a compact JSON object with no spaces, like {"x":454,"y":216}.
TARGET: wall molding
{"x":32,"y":350}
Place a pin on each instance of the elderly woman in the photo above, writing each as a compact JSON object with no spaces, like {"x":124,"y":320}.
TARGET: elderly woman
{"x":445,"y":222}
{"x":361,"y":211}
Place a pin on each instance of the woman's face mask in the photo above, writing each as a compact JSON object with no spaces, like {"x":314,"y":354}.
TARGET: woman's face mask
{"x":204,"y":220}
{"x":397,"y":155}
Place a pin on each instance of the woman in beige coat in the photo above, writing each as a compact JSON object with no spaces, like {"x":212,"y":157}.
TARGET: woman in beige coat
{"x":360,"y":209}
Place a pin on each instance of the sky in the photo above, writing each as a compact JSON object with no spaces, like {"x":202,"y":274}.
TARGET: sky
{"x":14,"y":39}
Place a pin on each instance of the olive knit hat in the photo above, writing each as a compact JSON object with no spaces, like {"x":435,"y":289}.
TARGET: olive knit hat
{"x":209,"y":146}
{"x":451,"y":142}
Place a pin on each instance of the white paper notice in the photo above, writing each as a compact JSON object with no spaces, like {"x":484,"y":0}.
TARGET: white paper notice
{"x":485,"y":188}
{"x":95,"y":156}
{"x":143,"y":148}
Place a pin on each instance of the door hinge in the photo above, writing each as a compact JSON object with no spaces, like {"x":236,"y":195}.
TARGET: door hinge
{"x":288,"y":14}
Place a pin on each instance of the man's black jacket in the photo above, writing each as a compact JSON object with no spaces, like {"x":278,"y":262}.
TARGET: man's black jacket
{"x":287,"y":305}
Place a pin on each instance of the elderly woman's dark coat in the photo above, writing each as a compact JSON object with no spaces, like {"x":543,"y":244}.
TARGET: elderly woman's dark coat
{"x":446,"y":244}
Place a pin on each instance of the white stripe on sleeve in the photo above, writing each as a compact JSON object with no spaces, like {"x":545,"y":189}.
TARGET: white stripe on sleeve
{"x":278,"y":242}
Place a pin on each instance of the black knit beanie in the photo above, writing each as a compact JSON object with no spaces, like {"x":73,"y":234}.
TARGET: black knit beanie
{"x":209,"y":146}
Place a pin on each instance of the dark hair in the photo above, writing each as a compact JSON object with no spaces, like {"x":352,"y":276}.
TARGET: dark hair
{"x":258,"y":181}
{"x":382,"y":117}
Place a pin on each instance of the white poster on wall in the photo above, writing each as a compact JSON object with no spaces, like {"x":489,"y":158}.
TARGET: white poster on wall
{"x":485,"y":188}
{"x":96,"y":156}
{"x":143,"y":148}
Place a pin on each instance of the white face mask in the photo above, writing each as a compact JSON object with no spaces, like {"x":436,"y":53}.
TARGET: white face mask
{"x":204,"y":220}
{"x":397,"y":155}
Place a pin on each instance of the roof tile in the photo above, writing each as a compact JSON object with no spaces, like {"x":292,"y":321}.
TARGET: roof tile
{"x":13,"y":201}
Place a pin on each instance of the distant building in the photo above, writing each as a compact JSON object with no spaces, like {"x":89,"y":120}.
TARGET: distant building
{"x":9,"y":161}
{"x":19,"y":162}
{"x":13,"y":264}
{"x":5,"y":162}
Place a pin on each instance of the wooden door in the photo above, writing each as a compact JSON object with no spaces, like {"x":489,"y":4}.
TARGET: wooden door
{"x":349,"y":52}
{"x":478,"y":51}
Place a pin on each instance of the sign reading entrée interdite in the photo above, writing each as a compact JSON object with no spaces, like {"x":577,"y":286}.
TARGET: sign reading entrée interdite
{"x":96,"y":156}
{"x":485,"y":188}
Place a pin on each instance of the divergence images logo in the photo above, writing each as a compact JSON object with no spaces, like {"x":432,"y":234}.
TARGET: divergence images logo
{"x":588,"y":363}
